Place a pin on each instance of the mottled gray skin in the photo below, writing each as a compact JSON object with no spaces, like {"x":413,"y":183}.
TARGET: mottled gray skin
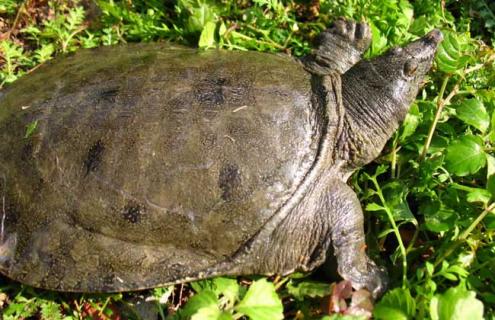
{"x":152,"y":164}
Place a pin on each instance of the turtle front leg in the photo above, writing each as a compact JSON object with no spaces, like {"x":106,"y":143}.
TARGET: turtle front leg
{"x":347,"y":234}
{"x":339,"y":47}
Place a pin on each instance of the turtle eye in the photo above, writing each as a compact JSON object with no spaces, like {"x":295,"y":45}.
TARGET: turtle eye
{"x":410,"y":68}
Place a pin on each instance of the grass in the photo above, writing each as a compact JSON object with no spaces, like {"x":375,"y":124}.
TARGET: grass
{"x":429,"y":208}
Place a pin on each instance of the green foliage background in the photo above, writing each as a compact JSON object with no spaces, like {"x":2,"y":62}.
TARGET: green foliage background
{"x":429,"y":197}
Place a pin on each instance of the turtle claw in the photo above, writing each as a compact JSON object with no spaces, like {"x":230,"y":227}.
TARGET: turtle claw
{"x":375,"y":279}
{"x":339,"y":47}
{"x":356,"y":34}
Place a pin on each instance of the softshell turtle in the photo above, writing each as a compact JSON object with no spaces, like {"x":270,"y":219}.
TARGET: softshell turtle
{"x":151,"y":164}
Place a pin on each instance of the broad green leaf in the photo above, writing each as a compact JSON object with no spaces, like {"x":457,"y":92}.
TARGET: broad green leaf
{"x":229,"y":288}
{"x":261,"y":302}
{"x":396,"y":304}
{"x":438,"y":218}
{"x":465,"y":155}
{"x":205,"y":299}
{"x":456,"y":304}
{"x":311,"y":289}
{"x":473,"y":112}
{"x":207,"y":38}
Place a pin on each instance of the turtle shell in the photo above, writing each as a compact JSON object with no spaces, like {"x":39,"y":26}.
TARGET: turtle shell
{"x":136,"y":166}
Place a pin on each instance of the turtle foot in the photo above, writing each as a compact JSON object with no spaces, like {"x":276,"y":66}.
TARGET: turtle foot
{"x":339,"y":47}
{"x":356,"y":34}
{"x":374,"y":279}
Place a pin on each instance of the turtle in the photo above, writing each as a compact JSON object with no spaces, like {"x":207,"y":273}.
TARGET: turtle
{"x":142,"y":165}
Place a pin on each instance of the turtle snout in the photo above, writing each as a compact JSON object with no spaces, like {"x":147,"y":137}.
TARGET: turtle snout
{"x":435,"y":36}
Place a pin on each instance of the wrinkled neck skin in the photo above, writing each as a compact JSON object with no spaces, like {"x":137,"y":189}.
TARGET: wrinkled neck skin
{"x":373,"y":111}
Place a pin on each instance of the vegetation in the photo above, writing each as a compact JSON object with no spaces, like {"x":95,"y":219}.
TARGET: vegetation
{"x":429,"y":198}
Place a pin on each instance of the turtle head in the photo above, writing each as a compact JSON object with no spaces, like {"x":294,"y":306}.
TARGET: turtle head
{"x":401,"y":71}
{"x":377,"y":94}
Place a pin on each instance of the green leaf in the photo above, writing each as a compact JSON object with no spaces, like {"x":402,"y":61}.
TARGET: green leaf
{"x":311,"y":289}
{"x":207,"y":38}
{"x":410,"y":123}
{"x":473,"y":112}
{"x":201,"y":285}
{"x":229,"y":288}
{"x":396,"y":304}
{"x":51,"y":310}
{"x":479,"y":195}
{"x":395,"y":194}
{"x":450,"y":56}
{"x":200,"y":13}
{"x":443,"y":219}
{"x":205,"y":299}
{"x":456,"y":304}
{"x":374,"y":207}
{"x":465,"y":155}
{"x":379,"y":41}
{"x":261,"y":302}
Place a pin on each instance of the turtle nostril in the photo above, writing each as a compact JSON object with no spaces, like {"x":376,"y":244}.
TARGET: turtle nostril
{"x":435,"y":36}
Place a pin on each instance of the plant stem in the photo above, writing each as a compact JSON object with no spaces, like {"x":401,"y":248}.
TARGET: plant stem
{"x":269,"y":43}
{"x":393,"y":161}
{"x":476,"y":221}
{"x":464,"y":234}
{"x":17,"y":17}
{"x":443,"y":102}
{"x":280,"y":283}
{"x":440,"y":105}
{"x":396,"y":231}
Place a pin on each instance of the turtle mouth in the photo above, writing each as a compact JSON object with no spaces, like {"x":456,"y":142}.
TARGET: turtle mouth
{"x":424,"y":48}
